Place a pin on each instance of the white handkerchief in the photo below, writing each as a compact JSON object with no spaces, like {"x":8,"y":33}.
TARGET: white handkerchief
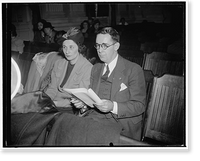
{"x":122,"y":87}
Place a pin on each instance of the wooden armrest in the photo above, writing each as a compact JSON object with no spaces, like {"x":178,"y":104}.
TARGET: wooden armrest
{"x":130,"y":142}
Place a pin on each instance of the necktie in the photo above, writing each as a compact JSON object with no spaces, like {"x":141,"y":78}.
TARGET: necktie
{"x":105,"y":76}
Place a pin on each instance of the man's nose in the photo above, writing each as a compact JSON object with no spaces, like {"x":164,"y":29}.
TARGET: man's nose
{"x":100,"y":49}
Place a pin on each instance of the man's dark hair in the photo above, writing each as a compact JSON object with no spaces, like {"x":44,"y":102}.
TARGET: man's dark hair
{"x":111,"y":31}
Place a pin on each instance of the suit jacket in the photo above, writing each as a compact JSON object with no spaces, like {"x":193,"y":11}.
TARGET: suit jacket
{"x":79,"y":77}
{"x":130,"y":100}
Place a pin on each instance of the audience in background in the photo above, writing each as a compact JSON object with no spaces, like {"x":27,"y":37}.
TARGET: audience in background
{"x":123,"y":22}
{"x":84,"y":27}
{"x":58,"y":35}
{"x":50,"y":33}
{"x":95,"y":27}
{"x":17,"y":44}
{"x":39,"y":34}
{"x":92,"y":52}
{"x":90,"y":20}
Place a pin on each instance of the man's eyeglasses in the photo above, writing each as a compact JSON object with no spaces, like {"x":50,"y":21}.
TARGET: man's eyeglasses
{"x":103,"y":46}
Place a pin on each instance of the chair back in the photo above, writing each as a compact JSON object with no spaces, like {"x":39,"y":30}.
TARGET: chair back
{"x":149,"y":77}
{"x":163,"y":63}
{"x":136,"y":57}
{"x":166,"y":110}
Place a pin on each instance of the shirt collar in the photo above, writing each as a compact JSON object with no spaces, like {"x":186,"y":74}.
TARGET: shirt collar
{"x":111,"y":65}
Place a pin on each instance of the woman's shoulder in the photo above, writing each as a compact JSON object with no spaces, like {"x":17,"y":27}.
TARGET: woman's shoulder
{"x":85,"y":61}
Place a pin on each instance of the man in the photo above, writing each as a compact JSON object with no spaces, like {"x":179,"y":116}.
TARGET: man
{"x":119,"y":83}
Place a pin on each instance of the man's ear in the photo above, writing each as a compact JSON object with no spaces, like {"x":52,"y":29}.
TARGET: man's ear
{"x":116,"y":46}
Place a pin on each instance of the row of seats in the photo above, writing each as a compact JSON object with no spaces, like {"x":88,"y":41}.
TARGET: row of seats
{"x":164,"y":117}
{"x":158,"y":62}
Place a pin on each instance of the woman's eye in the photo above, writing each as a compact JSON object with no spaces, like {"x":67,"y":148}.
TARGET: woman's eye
{"x":71,"y":47}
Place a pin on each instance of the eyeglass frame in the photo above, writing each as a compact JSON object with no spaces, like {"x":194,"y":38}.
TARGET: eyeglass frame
{"x":100,"y":45}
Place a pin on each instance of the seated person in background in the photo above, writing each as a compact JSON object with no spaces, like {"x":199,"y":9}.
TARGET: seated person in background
{"x":17,"y":44}
{"x":84,"y":28}
{"x":39,"y":35}
{"x":95,"y":27}
{"x":58,"y":35}
{"x":92,"y":53}
{"x":50,"y":33}
{"x":119,"y":83}
{"x":123,"y":22}
{"x":73,"y":71}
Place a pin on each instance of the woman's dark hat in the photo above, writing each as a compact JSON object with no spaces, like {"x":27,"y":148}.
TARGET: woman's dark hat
{"x":48,"y":25}
{"x":72,"y":34}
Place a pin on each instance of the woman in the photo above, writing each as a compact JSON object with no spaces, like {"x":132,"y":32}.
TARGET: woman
{"x":84,"y":27}
{"x":17,"y":45}
{"x":73,"y":71}
{"x":39,"y":35}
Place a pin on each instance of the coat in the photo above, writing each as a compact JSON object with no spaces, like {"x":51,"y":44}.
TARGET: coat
{"x":131,"y":101}
{"x":79,"y":77}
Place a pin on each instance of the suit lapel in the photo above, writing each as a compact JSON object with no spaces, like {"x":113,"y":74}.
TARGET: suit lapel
{"x":118,"y":77}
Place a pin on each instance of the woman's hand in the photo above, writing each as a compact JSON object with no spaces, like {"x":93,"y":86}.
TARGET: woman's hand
{"x":77,"y":103}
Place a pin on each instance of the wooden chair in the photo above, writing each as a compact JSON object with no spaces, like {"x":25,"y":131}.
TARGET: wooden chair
{"x":163,"y":63}
{"x":149,"y":77}
{"x":166,"y":110}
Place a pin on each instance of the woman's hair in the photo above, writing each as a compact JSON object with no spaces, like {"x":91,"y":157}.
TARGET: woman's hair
{"x":85,"y":21}
{"x":42,"y":21}
{"x":112,"y":32}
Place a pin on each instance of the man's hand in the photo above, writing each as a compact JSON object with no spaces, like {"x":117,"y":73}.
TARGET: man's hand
{"x":105,"y":106}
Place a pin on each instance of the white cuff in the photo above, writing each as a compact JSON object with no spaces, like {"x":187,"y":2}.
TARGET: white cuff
{"x":115,"y":108}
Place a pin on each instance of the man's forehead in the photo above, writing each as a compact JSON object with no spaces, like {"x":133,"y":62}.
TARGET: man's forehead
{"x":103,"y":38}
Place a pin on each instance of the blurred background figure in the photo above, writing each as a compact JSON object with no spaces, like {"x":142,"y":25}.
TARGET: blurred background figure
{"x":84,"y":27}
{"x":50,"y":33}
{"x":17,"y":45}
{"x":123,"y":22}
{"x":90,"y":20}
{"x":96,"y":26}
{"x":58,"y":35}
{"x":39,"y":35}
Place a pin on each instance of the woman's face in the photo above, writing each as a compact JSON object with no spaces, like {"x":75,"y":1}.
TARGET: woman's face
{"x":70,"y":50}
{"x":85,"y":25}
{"x":40,"y":25}
{"x":96,"y":26}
